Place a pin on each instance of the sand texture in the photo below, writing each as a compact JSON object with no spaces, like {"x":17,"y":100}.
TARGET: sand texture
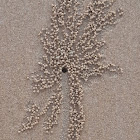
{"x":111,"y":103}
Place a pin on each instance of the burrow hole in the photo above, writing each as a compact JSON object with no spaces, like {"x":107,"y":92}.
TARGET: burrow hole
{"x":64,"y":69}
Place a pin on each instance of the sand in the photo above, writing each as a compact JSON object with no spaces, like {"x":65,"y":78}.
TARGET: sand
{"x":111,"y":103}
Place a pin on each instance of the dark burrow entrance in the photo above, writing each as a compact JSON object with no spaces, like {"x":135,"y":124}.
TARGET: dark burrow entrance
{"x":64,"y":69}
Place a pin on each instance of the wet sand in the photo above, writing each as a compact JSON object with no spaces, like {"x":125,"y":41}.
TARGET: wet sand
{"x":111,"y":103}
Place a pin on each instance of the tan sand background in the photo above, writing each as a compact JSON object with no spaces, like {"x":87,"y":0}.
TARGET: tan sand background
{"x":112,"y":103}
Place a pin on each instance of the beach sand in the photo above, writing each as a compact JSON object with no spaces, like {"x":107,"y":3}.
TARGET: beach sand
{"x":111,"y":103}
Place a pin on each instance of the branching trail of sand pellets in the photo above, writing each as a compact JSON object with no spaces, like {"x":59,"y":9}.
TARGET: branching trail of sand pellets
{"x":73,"y":44}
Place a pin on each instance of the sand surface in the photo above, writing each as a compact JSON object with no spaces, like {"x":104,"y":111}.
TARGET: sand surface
{"x":111,"y":103}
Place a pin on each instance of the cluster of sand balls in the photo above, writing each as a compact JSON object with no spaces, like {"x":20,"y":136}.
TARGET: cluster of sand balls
{"x":34,"y":114}
{"x":32,"y":119}
{"x":72,"y":43}
{"x":77,"y":117}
